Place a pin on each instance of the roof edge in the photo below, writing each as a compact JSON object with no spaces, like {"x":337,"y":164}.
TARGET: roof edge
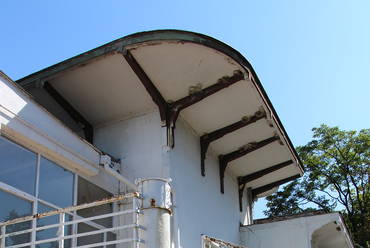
{"x":157,"y":35}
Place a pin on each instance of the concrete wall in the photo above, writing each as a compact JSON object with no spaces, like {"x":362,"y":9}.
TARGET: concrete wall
{"x":200,"y":207}
{"x":137,"y":142}
{"x":328,"y":229}
{"x":140,"y":143}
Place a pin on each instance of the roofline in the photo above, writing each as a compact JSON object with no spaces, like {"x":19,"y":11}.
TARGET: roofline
{"x":159,"y":35}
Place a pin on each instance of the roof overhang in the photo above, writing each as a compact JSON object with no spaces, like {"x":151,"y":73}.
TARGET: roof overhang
{"x":211,"y":85}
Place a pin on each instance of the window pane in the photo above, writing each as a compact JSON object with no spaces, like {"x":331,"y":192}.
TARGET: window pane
{"x":51,"y":232}
{"x":91,"y":239}
{"x":56,"y":184}
{"x":12,"y":207}
{"x":88,"y":192}
{"x":17,"y":166}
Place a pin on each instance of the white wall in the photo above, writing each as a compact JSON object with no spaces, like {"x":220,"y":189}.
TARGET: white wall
{"x":297,"y":232}
{"x":202,"y":209}
{"x":137,"y":142}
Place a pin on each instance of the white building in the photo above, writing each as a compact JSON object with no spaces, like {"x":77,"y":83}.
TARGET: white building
{"x":181,"y":114}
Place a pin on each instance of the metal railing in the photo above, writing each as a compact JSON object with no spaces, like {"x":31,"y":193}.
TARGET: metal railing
{"x":75,"y":237}
{"x":209,"y":242}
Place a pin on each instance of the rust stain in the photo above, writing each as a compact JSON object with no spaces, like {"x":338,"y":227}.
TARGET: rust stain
{"x":152,"y":202}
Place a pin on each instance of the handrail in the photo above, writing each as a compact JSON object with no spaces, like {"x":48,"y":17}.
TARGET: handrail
{"x":61,"y":236}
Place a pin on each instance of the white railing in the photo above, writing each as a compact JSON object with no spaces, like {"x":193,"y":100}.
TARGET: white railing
{"x":209,"y":242}
{"x":61,"y":236}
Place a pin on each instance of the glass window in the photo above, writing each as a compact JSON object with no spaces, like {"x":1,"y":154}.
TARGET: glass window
{"x":51,"y":232}
{"x":12,"y":207}
{"x":56,"y":184}
{"x":17,"y":166}
{"x":88,"y":192}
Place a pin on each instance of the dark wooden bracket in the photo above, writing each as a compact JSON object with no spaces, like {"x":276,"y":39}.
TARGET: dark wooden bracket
{"x":73,"y":113}
{"x":244,"y":150}
{"x":174,"y":108}
{"x":267,"y":187}
{"x":206,"y":139}
{"x":170,"y":110}
{"x":242,"y":181}
{"x":148,"y":84}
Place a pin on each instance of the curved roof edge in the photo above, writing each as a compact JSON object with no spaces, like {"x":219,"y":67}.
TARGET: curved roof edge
{"x":160,"y":35}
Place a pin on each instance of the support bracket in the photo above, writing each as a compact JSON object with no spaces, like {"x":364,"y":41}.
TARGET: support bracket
{"x":147,"y":82}
{"x":170,"y":110}
{"x":267,"y":187}
{"x":206,"y":139}
{"x":242,"y":181}
{"x":174,"y":108}
{"x":73,"y":113}
{"x":242,"y":151}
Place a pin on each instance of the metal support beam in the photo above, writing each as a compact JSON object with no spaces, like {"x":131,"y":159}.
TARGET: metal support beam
{"x":73,"y":113}
{"x":244,"y":150}
{"x":148,"y":84}
{"x":206,"y":139}
{"x":267,"y":187}
{"x":174,"y":108}
{"x":242,"y":181}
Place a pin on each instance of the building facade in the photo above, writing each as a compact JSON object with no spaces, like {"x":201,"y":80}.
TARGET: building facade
{"x":157,"y":139}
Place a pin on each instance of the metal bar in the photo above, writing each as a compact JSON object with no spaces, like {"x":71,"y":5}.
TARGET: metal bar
{"x":71,"y":208}
{"x":75,"y":236}
{"x":253,"y":146}
{"x":3,"y":230}
{"x":135,"y":220}
{"x":147,"y":82}
{"x":118,"y":176}
{"x":267,"y":187}
{"x":221,"y":242}
{"x":61,"y":229}
{"x":68,"y":223}
{"x":206,"y":139}
{"x":75,"y":192}
{"x":109,"y":243}
{"x":73,"y":113}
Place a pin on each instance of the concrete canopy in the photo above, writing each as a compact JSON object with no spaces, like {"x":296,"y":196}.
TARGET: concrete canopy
{"x":179,"y":73}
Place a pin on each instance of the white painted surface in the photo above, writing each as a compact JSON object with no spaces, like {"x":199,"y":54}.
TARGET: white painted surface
{"x":156,"y":205}
{"x":298,"y":232}
{"x":19,"y":114}
{"x":201,"y":207}
{"x":137,"y":142}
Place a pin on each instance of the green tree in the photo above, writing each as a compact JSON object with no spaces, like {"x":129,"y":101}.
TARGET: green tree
{"x":337,"y":165}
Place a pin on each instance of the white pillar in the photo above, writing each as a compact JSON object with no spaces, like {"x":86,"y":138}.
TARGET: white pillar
{"x":156,"y":205}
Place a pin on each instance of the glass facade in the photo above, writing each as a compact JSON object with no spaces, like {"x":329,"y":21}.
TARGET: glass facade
{"x":30,"y":184}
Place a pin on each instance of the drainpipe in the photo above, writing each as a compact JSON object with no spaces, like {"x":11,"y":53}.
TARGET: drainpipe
{"x":156,"y":205}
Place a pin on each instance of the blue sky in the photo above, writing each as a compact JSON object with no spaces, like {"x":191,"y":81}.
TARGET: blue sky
{"x":312,"y":57}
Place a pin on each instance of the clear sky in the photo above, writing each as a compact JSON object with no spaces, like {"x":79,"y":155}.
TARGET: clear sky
{"x":312,"y":57}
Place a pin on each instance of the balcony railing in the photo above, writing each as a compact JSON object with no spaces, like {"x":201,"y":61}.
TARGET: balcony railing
{"x":69,"y":234}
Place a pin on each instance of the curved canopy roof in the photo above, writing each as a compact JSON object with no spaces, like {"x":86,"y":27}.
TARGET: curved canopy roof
{"x":211,"y":85}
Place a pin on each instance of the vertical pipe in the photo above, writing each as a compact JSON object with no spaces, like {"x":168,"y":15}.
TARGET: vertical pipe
{"x":156,"y":205}
{"x":61,"y":229}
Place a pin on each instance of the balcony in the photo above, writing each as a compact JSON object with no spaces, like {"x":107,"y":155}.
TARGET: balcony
{"x":75,"y":231}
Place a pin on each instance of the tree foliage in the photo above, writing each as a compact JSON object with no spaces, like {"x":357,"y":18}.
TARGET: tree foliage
{"x":337,"y":165}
